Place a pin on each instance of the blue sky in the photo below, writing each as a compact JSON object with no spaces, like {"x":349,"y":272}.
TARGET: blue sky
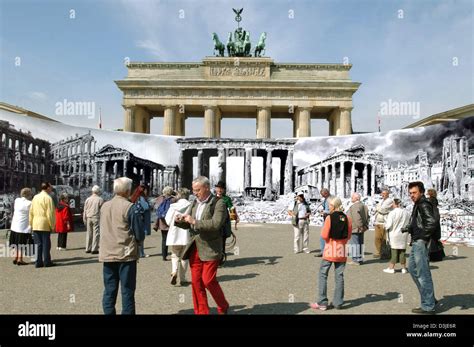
{"x":407,"y":59}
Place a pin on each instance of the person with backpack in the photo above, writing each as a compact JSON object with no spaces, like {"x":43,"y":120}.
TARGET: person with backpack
{"x":300,"y":219}
{"x":162,"y":206}
{"x":139,"y":197}
{"x":336,"y":232}
{"x":204,"y":251}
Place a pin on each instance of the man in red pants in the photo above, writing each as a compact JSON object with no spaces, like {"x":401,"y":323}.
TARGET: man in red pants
{"x":204,"y":251}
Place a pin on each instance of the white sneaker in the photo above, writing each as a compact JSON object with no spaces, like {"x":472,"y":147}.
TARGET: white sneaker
{"x":404,"y":271}
{"x":306,"y":251}
{"x":389,"y":271}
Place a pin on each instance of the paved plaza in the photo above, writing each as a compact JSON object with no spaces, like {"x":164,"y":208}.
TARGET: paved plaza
{"x":265,"y":277}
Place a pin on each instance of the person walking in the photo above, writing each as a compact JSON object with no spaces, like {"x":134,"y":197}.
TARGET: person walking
{"x":300,"y":220}
{"x":64,"y":221}
{"x":359,"y":215}
{"x":162,"y":205}
{"x":397,"y":219}
{"x":122,"y":230}
{"x":139,"y":197}
{"x":421,"y":226}
{"x":381,"y":212}
{"x":42,"y":221}
{"x":204,"y":251}
{"x":20,"y":229}
{"x":91,"y":219}
{"x":337,"y":231}
{"x":178,"y":238}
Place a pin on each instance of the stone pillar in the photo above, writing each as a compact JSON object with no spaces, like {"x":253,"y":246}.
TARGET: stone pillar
{"x":353,"y":174}
{"x":183,"y":124}
{"x":181,"y":169}
{"x":103,"y":178}
{"x":200,"y":162}
{"x":221,"y":165}
{"x":125,"y":164}
{"x":169,"y":121}
{"x":268,"y":175}
{"x":295,"y":124}
{"x":263,"y":123}
{"x":179,"y":124}
{"x":372,"y":180}
{"x":289,"y":173}
{"x":210,"y":121}
{"x":333,"y":183}
{"x":345,"y":122}
{"x":364,"y":180}
{"x":129,"y":119}
{"x":218,"y":122}
{"x":248,"y":168}
{"x":304,"y":121}
{"x":342,"y":183}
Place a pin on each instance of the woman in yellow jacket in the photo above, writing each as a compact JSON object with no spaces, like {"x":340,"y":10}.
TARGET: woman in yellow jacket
{"x":42,"y":222}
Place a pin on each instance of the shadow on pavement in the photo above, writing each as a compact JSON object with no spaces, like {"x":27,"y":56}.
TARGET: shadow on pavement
{"x":463,"y":301}
{"x":275,"y":308}
{"x":224,"y":278}
{"x":251,"y":261}
{"x":370,"y":298}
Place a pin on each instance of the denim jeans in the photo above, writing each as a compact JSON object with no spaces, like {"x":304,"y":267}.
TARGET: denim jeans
{"x":357,"y":247}
{"x":322,"y":244}
{"x":43,"y":241}
{"x":141,"y":249}
{"x":419,"y":268}
{"x":126,"y":274}
{"x":323,"y":285}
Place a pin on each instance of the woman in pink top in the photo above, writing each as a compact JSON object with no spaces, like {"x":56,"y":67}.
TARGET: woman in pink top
{"x":336,"y":232}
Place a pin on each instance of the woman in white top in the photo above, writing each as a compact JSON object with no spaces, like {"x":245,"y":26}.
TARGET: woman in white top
{"x":178,"y":238}
{"x":396,"y":220}
{"x":20,"y":228}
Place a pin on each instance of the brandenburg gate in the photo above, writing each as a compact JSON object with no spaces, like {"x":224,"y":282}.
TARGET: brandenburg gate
{"x":237,"y":86}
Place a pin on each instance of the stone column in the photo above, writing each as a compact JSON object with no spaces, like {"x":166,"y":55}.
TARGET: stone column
{"x":169,"y":121}
{"x":304,"y":121}
{"x":372,"y":180}
{"x":289,"y":173}
{"x":183,"y":124}
{"x":268,"y":175}
{"x":218,"y":122}
{"x":342,"y":183}
{"x":345,"y":122}
{"x":181,"y":169}
{"x":210,"y":121}
{"x":200,"y":162}
{"x":221,"y":165}
{"x":364,"y":180}
{"x":263,"y":123}
{"x":333,"y":184}
{"x":125,"y":171}
{"x":295,"y":124}
{"x":179,"y":124}
{"x":248,"y":168}
{"x":103,"y":178}
{"x":129,"y":119}
{"x":353,"y":174}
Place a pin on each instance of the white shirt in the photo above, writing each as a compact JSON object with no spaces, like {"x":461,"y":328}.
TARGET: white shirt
{"x":301,"y":210}
{"x":201,"y":206}
{"x":21,"y":215}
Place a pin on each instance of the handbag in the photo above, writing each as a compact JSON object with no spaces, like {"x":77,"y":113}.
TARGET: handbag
{"x":436,"y":250}
{"x":385,"y":250}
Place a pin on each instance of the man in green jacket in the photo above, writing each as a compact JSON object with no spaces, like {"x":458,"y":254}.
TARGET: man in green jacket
{"x":204,"y":250}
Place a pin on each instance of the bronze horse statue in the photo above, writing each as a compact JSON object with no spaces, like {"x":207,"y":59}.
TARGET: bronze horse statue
{"x":218,"y":45}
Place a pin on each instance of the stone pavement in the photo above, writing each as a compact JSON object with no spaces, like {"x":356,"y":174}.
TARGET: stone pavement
{"x":265,"y":277}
